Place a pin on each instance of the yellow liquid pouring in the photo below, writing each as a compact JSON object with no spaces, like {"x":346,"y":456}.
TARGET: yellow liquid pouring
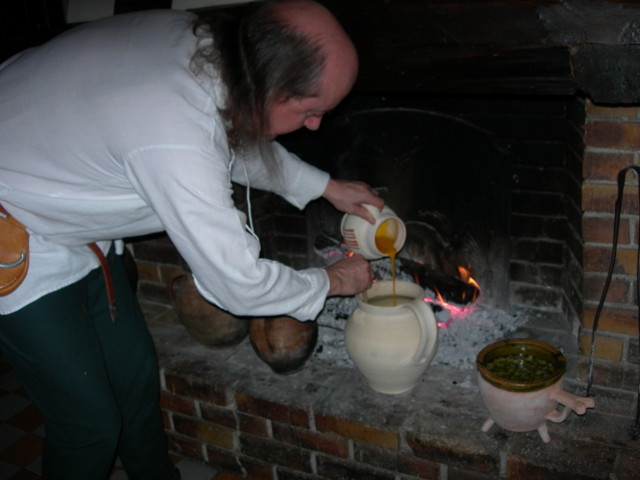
{"x":389,"y":300}
{"x":386,"y":244}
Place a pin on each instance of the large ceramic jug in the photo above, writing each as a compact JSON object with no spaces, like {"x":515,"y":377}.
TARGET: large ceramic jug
{"x":392,"y":346}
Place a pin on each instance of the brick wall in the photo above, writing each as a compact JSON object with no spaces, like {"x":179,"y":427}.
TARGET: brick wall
{"x":546,"y":261}
{"x":612,"y":143}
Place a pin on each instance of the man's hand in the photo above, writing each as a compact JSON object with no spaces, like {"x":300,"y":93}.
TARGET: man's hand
{"x":349,"y":276}
{"x":349,"y":197}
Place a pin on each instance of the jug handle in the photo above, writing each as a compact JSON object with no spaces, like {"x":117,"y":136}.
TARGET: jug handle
{"x":428,"y":331}
{"x":375,"y":211}
{"x":558,"y":416}
{"x":570,"y":402}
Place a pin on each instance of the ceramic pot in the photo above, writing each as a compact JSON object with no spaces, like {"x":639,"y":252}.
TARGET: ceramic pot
{"x":360,"y":235}
{"x":525,"y":405}
{"x":283,"y":343}
{"x":392,"y":346}
{"x":206,"y":323}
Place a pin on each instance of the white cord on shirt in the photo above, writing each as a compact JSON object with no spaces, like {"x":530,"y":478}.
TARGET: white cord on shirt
{"x":248,"y":227}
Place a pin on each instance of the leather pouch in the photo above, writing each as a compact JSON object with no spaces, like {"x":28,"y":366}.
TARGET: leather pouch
{"x":14,"y":253}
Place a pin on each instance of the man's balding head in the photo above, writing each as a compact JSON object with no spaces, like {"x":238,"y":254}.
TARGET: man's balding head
{"x":318,"y":24}
{"x":339,"y":66}
{"x":284,"y":63}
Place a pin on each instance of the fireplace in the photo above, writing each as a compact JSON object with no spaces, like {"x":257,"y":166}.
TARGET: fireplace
{"x":224,"y":407}
{"x":548,"y":102}
{"x":554,"y":91}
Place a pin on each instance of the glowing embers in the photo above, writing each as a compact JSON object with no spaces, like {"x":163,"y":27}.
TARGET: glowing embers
{"x":456,"y":296}
{"x":453,"y":295}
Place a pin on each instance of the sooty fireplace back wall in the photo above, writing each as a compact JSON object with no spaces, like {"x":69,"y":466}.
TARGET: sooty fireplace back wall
{"x":496,"y":178}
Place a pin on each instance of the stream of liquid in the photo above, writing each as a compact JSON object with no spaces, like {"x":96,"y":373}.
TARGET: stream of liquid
{"x":385,"y":243}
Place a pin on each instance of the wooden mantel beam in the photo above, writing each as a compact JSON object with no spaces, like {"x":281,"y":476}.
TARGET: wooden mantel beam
{"x":543,"y":47}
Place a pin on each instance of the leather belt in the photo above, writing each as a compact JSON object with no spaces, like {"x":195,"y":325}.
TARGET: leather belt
{"x":106,"y":272}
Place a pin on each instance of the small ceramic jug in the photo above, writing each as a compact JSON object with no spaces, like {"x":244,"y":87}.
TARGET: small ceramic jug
{"x":392,"y":346}
{"x":206,"y":323}
{"x":525,"y":405}
{"x":360,"y":235}
{"x":283,"y":343}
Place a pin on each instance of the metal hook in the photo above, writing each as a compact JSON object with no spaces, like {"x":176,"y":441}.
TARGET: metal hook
{"x":9,"y":265}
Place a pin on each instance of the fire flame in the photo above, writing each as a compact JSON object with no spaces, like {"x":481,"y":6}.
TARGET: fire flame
{"x":456,"y":311}
{"x":465,"y":276}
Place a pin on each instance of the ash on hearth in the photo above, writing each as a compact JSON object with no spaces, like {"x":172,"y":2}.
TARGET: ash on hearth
{"x":458,"y":343}
{"x":464,"y":330}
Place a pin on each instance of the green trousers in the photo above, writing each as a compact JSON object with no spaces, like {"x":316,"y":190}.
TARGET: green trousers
{"x":95,"y":382}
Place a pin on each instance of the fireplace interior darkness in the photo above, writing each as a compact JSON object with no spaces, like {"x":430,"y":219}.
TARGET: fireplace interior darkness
{"x":444,"y":176}
{"x":486,"y":182}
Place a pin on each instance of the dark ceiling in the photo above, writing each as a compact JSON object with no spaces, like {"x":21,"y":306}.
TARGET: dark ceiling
{"x":552,"y":47}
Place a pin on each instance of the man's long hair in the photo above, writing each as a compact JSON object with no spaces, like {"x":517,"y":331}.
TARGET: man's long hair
{"x":262,"y":61}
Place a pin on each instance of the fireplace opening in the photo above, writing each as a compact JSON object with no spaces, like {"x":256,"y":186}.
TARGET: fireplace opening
{"x":490,"y":184}
{"x":446,"y":177}
{"x":542,"y":139}
{"x":495,"y":180}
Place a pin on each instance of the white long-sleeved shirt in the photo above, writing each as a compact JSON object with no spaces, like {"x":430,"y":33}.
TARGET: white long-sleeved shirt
{"x":106,"y":133}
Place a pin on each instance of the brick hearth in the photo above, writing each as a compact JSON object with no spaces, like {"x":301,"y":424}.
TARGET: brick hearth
{"x":227,"y":408}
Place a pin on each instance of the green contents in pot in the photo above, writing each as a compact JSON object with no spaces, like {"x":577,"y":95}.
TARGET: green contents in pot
{"x":522,"y":368}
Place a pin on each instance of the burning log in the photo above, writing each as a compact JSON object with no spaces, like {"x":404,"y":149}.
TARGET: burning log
{"x":433,"y":256}
{"x":430,"y":260}
{"x":451,"y":289}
